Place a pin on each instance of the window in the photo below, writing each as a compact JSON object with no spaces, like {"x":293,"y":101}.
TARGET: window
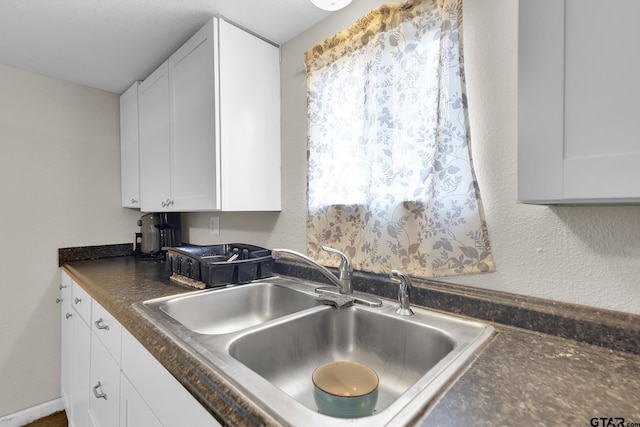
{"x":390,"y":178}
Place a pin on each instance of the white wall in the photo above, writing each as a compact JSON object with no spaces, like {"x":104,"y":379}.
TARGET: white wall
{"x":60,"y":187}
{"x":580,"y":254}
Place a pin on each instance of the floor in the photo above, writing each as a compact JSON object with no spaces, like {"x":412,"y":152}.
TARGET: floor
{"x":59,"y":419}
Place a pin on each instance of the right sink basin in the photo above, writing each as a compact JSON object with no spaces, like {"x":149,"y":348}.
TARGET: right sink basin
{"x":401,"y":351}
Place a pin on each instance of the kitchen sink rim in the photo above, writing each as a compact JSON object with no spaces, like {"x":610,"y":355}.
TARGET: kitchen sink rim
{"x":222,"y":363}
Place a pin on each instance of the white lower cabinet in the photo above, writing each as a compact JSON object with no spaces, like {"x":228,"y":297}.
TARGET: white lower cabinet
{"x":134,"y":411}
{"x":104,"y":401}
{"x":109,"y":379}
{"x":66,"y":337}
{"x":80,"y":371}
{"x":77,"y":353}
{"x":166,"y":397}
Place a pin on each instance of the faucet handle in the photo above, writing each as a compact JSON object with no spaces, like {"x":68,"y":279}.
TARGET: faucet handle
{"x":404,"y":293}
{"x":346,"y":268}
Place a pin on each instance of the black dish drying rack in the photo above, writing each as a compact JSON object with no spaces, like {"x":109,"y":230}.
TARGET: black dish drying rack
{"x":219,"y":265}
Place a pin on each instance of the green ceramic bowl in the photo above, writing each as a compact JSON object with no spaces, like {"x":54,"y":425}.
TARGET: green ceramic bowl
{"x":345,"y":389}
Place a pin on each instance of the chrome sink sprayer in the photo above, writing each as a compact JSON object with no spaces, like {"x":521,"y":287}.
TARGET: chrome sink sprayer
{"x":342,"y":282}
{"x":404,"y":292}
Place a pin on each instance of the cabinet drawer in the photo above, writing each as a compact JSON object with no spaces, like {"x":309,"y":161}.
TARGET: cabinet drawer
{"x":107,"y":329}
{"x":65,"y":289}
{"x":81,"y":302}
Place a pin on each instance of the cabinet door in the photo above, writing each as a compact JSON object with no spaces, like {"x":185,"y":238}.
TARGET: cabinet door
{"x":249,"y":121}
{"x":159,"y":389}
{"x":194,"y":160}
{"x":129,"y":148}
{"x":155,"y":150}
{"x":66,"y":344}
{"x":104,"y":401}
{"x":577,"y":113}
{"x":134,"y":412}
{"x":80,"y":373}
{"x":602,"y":142}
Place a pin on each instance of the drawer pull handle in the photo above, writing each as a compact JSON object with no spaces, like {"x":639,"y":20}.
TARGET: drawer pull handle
{"x":77,"y":300}
{"x":100,"y":395}
{"x":58,"y":300}
{"x":68,"y":315}
{"x":100,"y":324}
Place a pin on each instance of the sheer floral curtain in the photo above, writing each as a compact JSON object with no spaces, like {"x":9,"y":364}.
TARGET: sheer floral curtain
{"x":390,"y":178}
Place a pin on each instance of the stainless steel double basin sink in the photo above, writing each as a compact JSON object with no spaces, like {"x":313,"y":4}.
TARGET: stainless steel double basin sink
{"x":267,"y":337}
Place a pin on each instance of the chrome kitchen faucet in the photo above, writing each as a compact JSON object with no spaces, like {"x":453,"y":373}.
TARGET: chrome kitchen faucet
{"x":343,"y":282}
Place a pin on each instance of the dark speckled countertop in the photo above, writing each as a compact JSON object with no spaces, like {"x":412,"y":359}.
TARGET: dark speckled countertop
{"x":522,"y":377}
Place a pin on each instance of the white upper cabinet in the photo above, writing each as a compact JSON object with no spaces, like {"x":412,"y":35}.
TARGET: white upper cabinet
{"x":249,"y":121}
{"x":193,"y":118}
{"x":210,"y":125}
{"x":578,"y":129}
{"x":129,"y":145}
{"x":155,"y":141}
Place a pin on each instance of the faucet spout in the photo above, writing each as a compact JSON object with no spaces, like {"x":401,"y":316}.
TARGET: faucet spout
{"x":343,"y":283}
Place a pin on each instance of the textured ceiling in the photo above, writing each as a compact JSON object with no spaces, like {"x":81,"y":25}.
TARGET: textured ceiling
{"x":108,"y":44}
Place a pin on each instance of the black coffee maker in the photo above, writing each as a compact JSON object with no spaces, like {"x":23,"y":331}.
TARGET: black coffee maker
{"x":158,"y":230}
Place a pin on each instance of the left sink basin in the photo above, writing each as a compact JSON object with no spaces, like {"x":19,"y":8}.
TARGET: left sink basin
{"x":228,"y":310}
